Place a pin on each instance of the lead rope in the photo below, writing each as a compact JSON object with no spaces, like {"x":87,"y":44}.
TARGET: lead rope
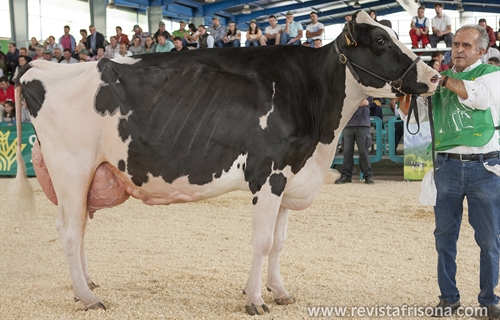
{"x":413,"y":109}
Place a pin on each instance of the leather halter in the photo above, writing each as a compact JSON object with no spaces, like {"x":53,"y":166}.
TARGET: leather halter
{"x":395,"y":84}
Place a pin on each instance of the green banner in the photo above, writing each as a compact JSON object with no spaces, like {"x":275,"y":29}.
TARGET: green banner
{"x":8,"y":144}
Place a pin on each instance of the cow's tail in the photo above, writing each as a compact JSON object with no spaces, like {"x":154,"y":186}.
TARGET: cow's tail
{"x":21,"y":191}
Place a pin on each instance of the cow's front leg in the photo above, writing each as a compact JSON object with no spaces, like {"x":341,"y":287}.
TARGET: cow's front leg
{"x":71,"y":221}
{"x":265,"y":210}
{"x":274,"y":283}
{"x":83,"y":258}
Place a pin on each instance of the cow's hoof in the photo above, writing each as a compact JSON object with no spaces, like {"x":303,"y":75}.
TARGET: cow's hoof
{"x":285,"y":300}
{"x":92,"y":285}
{"x":96,"y":306}
{"x":257,"y":310}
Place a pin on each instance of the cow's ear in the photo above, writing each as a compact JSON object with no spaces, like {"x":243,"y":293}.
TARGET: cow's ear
{"x":349,"y":32}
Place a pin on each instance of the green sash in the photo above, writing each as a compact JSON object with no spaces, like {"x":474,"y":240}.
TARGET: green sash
{"x":456,"y":124}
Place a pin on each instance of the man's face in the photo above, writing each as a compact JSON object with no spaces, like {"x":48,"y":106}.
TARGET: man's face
{"x":12,"y":49}
{"x":493,"y":63}
{"x":482,"y":24}
{"x":67,"y":55}
{"x":272,"y":22}
{"x":52,"y":41}
{"x":464,"y":49}
{"x":118,"y":31}
{"x":4,"y":85}
{"x":216,"y":22}
{"x":47,"y":56}
{"x":201,"y":29}
{"x":161,"y":40}
{"x":162,"y":27}
{"x":57,"y":53}
{"x":420,"y":13}
{"x":182,"y":26}
{"x":66,"y":30}
{"x":438,"y":9}
{"x":22,"y":52}
{"x":92,"y":30}
{"x":289,"y":18}
{"x":137,"y":30}
{"x":112,"y":41}
{"x":123,"y":48}
{"x":137,"y":41}
{"x":314,"y":18}
{"x":178,"y":44}
{"x":39,"y":52}
{"x":317,"y":43}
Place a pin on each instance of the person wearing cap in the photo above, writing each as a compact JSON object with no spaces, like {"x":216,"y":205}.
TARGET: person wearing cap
{"x":67,"y":41}
{"x":47,"y":55}
{"x":181,"y":33}
{"x":139,"y":33}
{"x":291,"y":31}
{"x":84,"y":55}
{"x":253,"y":34}
{"x":94,"y":40}
{"x":314,"y":30}
{"x":161,"y":30}
{"x":271,"y":34}
{"x":121,"y":37}
{"x":217,"y":31}
{"x":163,"y":44}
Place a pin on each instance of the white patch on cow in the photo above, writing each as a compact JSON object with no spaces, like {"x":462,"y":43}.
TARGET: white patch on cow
{"x":126,"y":60}
{"x":263,"y":119}
{"x":125,"y":116}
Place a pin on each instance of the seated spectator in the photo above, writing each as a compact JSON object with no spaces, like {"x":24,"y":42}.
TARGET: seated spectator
{"x":111,"y":48}
{"x":438,"y":55}
{"x":216,"y":30}
{"x":490,"y":53}
{"x":253,"y":35}
{"x":121,"y":37}
{"x":84,"y":55}
{"x":291,"y":31}
{"x":163,"y":45}
{"x":39,"y":52}
{"x":9,"y":113}
{"x":58,"y":54}
{"x":25,"y":114}
{"x":32,"y":47}
{"x":491,"y":34}
{"x":205,"y":40}
{"x":271,"y":34}
{"x":11,"y":57}
{"x":22,"y":61}
{"x":494,"y":61}
{"x":192,"y":36}
{"x":136,"y":48}
{"x":67,"y":58}
{"x":441,"y":27}
{"x":178,"y":45}
{"x":47,"y":55}
{"x":67,"y":41}
{"x":79,"y":47}
{"x":232,"y":37}
{"x":122,"y":51}
{"x":420,"y":27}
{"x":3,"y":64}
{"x":52,"y":45}
{"x":318,"y":43}
{"x":148,"y":45}
{"x":6,"y":91}
{"x":373,"y":15}
{"x":434,"y":64}
{"x":161,"y":31}
{"x":138,"y":32}
{"x":314,"y":30}
{"x":181,"y":32}
{"x":101,"y":53}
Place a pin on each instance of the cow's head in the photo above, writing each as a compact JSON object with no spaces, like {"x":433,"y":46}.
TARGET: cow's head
{"x":380,"y":62}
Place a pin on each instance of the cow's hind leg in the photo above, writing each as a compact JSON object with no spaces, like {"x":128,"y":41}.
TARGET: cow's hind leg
{"x":71,"y":222}
{"x":265,"y":210}
{"x":274,"y":283}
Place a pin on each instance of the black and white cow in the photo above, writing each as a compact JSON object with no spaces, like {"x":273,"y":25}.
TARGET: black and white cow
{"x":188,"y":126}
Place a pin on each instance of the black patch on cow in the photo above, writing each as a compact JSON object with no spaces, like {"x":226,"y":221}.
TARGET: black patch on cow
{"x":121,"y":165}
{"x":34,"y":93}
{"x":238,"y":166}
{"x":277,"y":182}
{"x":254,"y":200}
{"x":194,"y":114}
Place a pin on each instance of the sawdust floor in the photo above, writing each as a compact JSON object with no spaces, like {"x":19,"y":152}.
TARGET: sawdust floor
{"x":357,"y":245}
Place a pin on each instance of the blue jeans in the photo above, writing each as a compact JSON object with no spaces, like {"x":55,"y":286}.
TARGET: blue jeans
{"x":454,"y":181}
{"x":231,"y":44}
{"x":362,"y":137}
{"x":254,"y":43}
{"x":285,"y":37}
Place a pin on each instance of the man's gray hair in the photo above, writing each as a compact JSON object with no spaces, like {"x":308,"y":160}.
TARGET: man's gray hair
{"x":483,"y":41}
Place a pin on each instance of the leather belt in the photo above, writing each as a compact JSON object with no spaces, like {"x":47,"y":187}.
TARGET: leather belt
{"x":471,"y":157}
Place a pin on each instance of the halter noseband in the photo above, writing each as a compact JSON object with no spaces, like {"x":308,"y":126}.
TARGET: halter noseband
{"x":395,"y":84}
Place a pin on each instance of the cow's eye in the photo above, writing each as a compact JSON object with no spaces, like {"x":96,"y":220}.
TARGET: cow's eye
{"x":380,"y":41}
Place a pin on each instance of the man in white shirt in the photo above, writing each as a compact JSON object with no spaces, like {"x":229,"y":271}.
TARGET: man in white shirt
{"x":271,"y":34}
{"x":314,"y":30}
{"x":67,"y":58}
{"x":123,"y":52}
{"x":441,"y":27}
{"x":291,"y":31}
